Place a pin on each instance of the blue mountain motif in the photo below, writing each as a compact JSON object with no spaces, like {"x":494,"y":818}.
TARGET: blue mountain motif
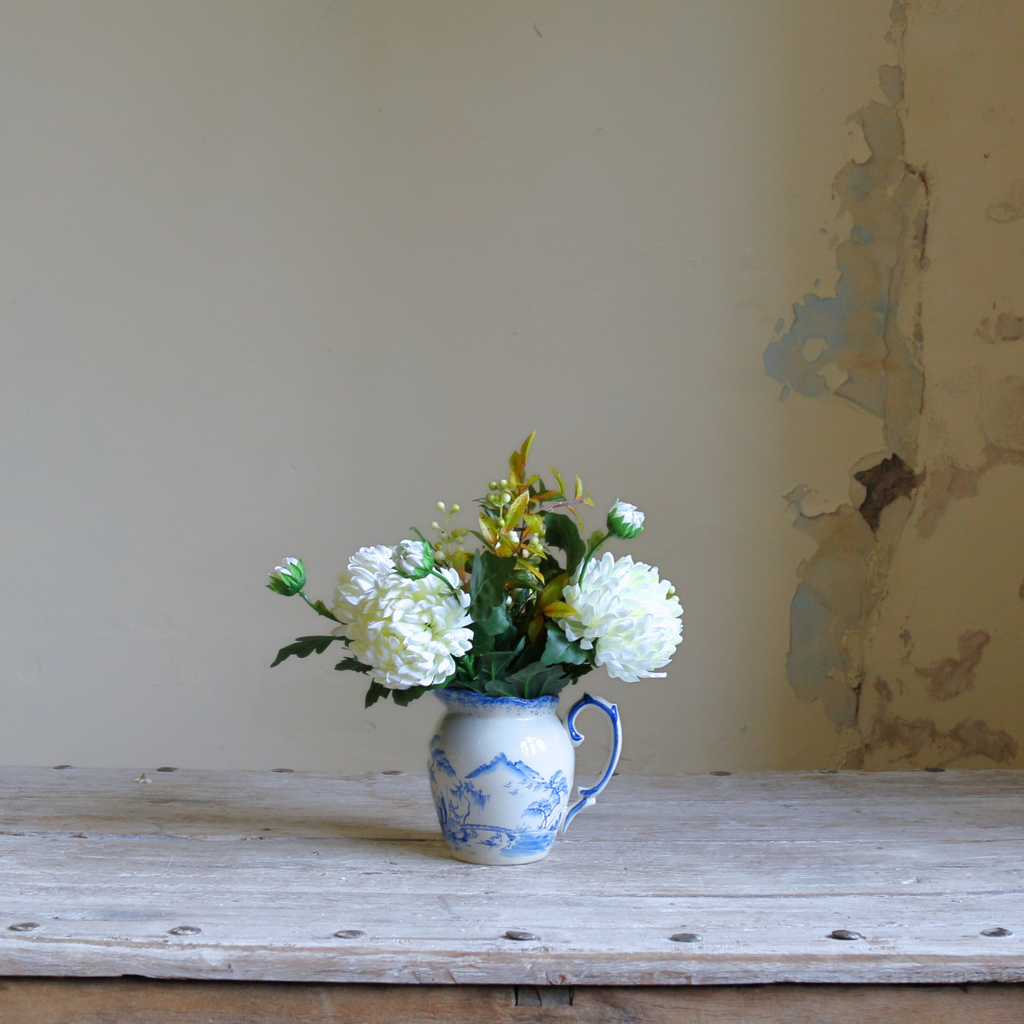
{"x":440,"y":759}
{"x":549,"y":805}
{"x":522,"y":772}
{"x":462,"y":806}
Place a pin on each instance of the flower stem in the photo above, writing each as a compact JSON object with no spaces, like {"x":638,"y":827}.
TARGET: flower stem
{"x":445,"y":580}
{"x":319,"y":607}
{"x":591,"y":551}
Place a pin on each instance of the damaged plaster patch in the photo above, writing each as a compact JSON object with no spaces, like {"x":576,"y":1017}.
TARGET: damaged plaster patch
{"x":1006,"y":328}
{"x":831,"y":600}
{"x":950,"y":482}
{"x":949,"y":677}
{"x":1010,"y":207}
{"x":892,"y":478}
{"x":910,"y":740}
{"x":890,"y":78}
{"x":857,"y":329}
{"x":863,"y":344}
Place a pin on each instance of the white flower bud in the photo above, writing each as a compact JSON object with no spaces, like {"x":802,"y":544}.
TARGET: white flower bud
{"x":288,"y":579}
{"x":625,"y":520}
{"x":413,"y":559}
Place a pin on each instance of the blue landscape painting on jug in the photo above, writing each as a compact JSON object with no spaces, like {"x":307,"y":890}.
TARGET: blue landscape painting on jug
{"x":462,"y":804}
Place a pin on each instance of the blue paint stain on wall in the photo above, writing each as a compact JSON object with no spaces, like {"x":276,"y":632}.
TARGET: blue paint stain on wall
{"x":855,"y":340}
{"x":856,"y":322}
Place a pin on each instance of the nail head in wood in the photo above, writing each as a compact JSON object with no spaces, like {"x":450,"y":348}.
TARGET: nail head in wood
{"x":186,"y":929}
{"x":845,"y":935}
{"x":349,"y":933}
{"x":520,"y":936}
{"x":684,"y":937}
{"x":996,"y":933}
{"x":23,"y":926}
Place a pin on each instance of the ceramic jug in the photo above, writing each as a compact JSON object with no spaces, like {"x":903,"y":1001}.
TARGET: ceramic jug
{"x":501,"y":771}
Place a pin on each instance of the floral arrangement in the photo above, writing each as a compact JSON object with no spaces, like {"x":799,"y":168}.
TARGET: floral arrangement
{"x":509,"y":619}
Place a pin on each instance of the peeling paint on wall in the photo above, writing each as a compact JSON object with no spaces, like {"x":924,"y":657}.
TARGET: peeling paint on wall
{"x":949,"y":677}
{"x":861,"y":344}
{"x":900,"y":739}
{"x":928,"y":548}
{"x":950,"y":482}
{"x":1007,"y":327}
{"x":856,"y":333}
{"x":1010,"y":207}
{"x":892,"y":478}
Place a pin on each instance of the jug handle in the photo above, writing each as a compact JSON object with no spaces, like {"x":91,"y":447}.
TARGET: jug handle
{"x":588,"y":796}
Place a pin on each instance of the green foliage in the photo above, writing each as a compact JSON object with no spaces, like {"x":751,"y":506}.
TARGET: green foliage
{"x":304,"y":646}
{"x":402,"y":698}
{"x":375,"y":693}
{"x":497,"y":622}
{"x":529,"y":683}
{"x":321,"y":609}
{"x":515,"y":584}
{"x":487,"y":584}
{"x":561,"y":532}
{"x":560,"y":649}
{"x":351,"y":664}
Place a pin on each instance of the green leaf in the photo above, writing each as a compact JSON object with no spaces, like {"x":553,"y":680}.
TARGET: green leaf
{"x":375,"y":693}
{"x":497,"y":622}
{"x":526,"y":580}
{"x":531,"y":682}
{"x":321,"y":609}
{"x":487,"y":584}
{"x":482,"y":641}
{"x":575,"y":671}
{"x":351,"y":664}
{"x":550,"y":567}
{"x":496,"y":663}
{"x":561,"y":650}
{"x":304,"y":646}
{"x":562,"y":532}
{"x":473,"y":685}
{"x":403,"y":697}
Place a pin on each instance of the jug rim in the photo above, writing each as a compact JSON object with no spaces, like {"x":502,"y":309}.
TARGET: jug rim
{"x":455,"y":698}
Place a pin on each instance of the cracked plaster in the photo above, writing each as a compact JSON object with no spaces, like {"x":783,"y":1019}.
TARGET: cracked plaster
{"x":893,"y":583}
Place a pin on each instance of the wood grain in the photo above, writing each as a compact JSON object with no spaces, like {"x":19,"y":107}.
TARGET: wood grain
{"x":140,"y":1001}
{"x":270,"y":865}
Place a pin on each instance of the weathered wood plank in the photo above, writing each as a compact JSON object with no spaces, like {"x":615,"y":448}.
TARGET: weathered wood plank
{"x":191,"y":803}
{"x":269,"y":866}
{"x":138,"y":1001}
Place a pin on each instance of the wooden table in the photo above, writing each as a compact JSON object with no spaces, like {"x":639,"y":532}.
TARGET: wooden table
{"x":227,"y":880}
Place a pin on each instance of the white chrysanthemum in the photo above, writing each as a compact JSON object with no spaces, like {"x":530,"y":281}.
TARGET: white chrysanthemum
{"x":408,"y":631}
{"x":368,"y":569}
{"x":625,"y":613}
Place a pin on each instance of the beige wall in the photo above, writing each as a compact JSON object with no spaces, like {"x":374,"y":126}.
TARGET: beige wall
{"x":277,"y":276}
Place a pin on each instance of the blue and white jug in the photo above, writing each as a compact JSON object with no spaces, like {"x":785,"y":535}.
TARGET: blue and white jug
{"x":501,"y":771}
